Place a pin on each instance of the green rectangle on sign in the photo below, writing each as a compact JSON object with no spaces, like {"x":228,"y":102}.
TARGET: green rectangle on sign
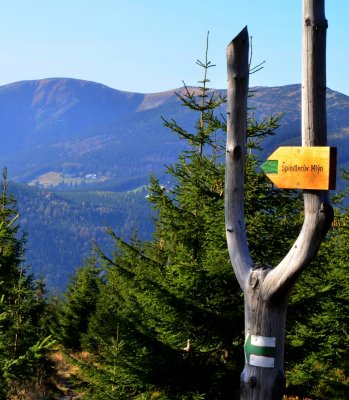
{"x":270,"y":167}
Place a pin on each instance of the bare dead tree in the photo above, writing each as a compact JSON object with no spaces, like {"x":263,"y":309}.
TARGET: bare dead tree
{"x":266,"y":289}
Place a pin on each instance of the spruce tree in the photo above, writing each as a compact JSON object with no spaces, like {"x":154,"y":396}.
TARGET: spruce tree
{"x":24,"y":339}
{"x":79,"y":304}
{"x":173,"y":303}
{"x":168,"y":320}
{"x":317,"y":333}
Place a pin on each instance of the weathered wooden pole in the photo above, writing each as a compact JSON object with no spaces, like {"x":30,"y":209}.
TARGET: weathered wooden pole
{"x":266,"y":289}
{"x":314,"y":116}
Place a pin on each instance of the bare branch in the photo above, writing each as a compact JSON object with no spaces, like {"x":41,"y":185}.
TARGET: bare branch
{"x":238,"y":74}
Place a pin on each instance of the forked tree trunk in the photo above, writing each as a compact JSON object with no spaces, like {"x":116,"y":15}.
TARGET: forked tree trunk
{"x":266,"y":290}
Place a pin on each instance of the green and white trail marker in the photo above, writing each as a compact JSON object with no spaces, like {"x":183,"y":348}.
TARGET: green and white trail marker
{"x":260,"y":351}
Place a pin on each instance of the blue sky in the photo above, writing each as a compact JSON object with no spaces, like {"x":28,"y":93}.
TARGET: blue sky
{"x":152,"y":45}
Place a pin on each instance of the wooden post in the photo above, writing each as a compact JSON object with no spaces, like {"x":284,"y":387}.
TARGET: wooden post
{"x":266,"y":290}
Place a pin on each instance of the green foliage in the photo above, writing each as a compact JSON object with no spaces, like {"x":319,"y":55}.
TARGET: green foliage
{"x":169,"y":320}
{"x":318,"y":336}
{"x":79,"y":304}
{"x":24,"y":340}
{"x":63,"y":225}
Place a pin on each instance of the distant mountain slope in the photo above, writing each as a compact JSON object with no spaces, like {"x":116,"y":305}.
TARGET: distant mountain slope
{"x":79,"y":128}
{"x":287,"y":100}
{"x":101,"y":141}
{"x":62,"y":227}
{"x":49,"y":110}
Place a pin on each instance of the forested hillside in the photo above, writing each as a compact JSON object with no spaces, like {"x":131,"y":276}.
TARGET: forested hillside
{"x":62,"y":227}
{"x":80,"y":140}
{"x":74,"y":132}
{"x":162,"y":318}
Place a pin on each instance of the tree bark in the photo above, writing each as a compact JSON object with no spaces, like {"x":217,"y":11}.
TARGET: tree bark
{"x":238,"y":75}
{"x":266,"y":290}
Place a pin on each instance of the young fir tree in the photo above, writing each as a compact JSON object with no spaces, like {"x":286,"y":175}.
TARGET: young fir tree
{"x":79,"y":304}
{"x":317,"y":333}
{"x":23,"y":335}
{"x":173,"y":305}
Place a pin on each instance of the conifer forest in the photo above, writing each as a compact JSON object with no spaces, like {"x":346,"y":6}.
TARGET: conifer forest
{"x":163,"y":318}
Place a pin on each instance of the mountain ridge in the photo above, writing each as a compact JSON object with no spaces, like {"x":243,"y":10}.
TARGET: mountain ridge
{"x":69,"y":130}
{"x":82,"y":127}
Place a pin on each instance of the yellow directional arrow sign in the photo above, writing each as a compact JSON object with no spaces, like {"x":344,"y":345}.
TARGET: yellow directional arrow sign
{"x":302,"y":167}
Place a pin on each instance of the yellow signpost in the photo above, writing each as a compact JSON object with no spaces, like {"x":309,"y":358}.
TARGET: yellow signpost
{"x":312,"y":168}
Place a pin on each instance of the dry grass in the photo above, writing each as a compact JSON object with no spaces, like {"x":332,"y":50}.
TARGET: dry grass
{"x":63,"y":368}
{"x":296,"y":398}
{"x":50,"y":178}
{"x":62,"y":386}
{"x":66,"y":372}
{"x":29,"y":391}
{"x":55,"y":178}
